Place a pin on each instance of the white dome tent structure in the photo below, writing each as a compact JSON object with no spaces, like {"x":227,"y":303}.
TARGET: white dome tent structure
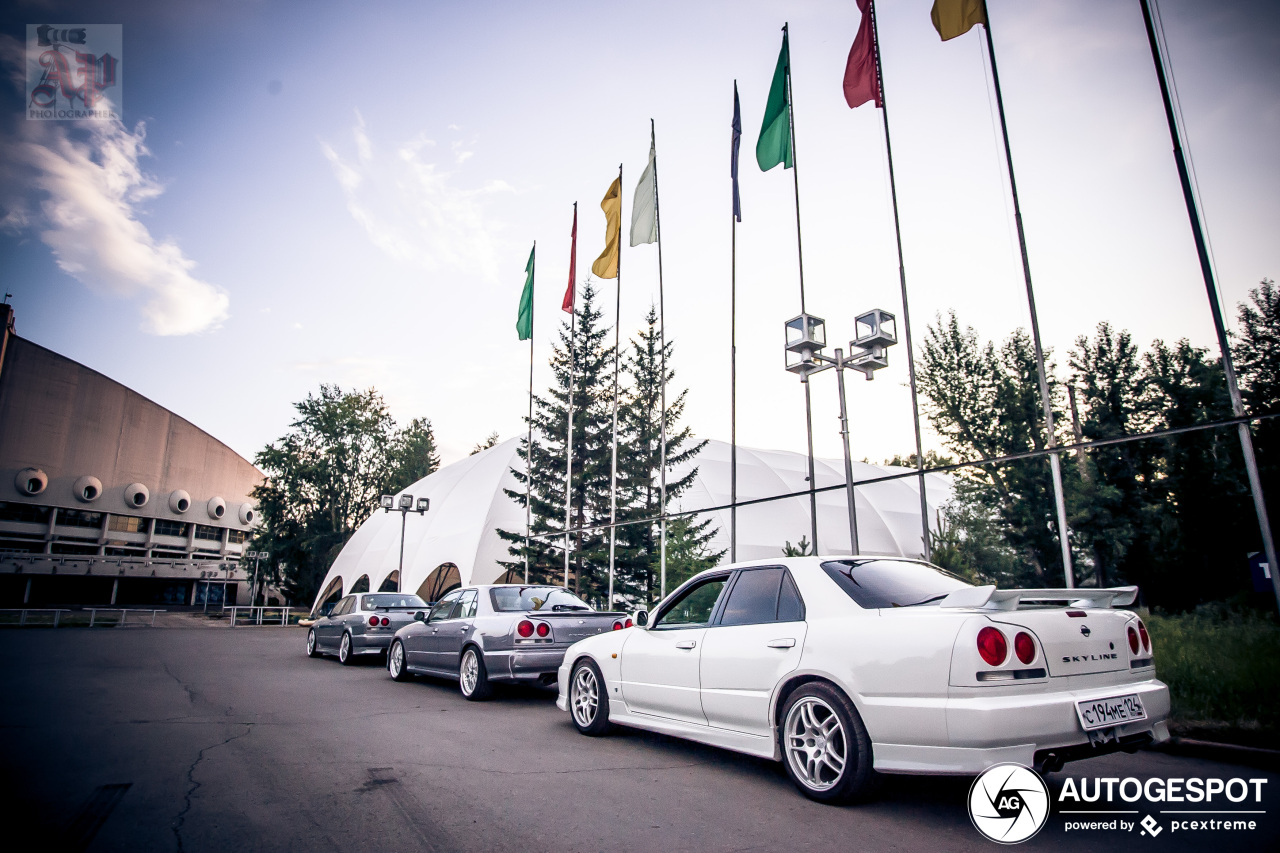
{"x":456,"y":543}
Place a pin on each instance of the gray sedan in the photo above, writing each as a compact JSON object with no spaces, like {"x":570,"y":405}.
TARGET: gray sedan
{"x":362,"y":624}
{"x":502,"y":632}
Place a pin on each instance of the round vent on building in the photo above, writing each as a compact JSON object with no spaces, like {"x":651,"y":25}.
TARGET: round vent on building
{"x":31,"y":481}
{"x":217,"y":507}
{"x":87,"y":488}
{"x":247,"y":515}
{"x":136,"y":494}
{"x":179,"y":501}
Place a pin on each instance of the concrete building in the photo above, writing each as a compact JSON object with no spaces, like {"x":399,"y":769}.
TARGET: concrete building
{"x":108,"y":498}
{"x":456,"y":542}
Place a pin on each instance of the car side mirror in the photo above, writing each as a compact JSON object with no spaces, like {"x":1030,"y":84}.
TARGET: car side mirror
{"x":420,"y":616}
{"x":641,"y":618}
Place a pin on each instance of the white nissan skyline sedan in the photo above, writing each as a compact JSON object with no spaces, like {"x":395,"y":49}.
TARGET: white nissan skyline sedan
{"x":842,"y":667}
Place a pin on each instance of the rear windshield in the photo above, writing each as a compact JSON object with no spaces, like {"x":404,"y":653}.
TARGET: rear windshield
{"x":391,"y":599}
{"x":508,"y":599}
{"x":892,"y":583}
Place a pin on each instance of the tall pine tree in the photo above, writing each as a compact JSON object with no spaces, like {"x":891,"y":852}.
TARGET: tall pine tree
{"x":591,"y":374}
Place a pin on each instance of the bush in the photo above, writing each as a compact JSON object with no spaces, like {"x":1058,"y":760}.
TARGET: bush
{"x":1222,"y":666}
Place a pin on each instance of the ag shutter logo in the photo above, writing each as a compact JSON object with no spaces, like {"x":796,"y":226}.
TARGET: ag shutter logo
{"x":1009,"y":803}
{"x":74,"y":71}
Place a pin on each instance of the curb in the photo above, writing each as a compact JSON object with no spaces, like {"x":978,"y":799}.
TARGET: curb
{"x":1228,"y":753}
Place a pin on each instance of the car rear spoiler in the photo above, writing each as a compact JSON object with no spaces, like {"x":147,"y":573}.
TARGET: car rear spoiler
{"x":1009,"y":599}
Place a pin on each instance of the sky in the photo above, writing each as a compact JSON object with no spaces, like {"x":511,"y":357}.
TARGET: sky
{"x":346,"y":194}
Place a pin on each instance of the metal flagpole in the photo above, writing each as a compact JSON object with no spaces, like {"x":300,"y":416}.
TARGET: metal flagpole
{"x":733,"y":333}
{"x":795,"y":176}
{"x":528,"y":447}
{"x":1055,"y":464}
{"x":617,"y":326}
{"x":568,"y":443}
{"x":902,"y":284}
{"x":1215,"y":307}
{"x":662,"y":413}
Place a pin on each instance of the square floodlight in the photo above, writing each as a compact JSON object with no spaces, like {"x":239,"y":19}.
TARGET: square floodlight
{"x":424,"y":504}
{"x":387,"y":501}
{"x":869,"y":361}
{"x":806,"y":332}
{"x":406,"y":502}
{"x":876,"y":328}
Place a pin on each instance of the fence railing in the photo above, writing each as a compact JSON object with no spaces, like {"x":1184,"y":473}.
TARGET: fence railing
{"x":257,"y":615}
{"x":42,"y":616}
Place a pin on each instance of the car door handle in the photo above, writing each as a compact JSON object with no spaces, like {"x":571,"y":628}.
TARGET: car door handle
{"x":687,"y":644}
{"x":786,"y":643}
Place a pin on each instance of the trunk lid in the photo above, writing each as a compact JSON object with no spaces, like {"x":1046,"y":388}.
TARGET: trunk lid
{"x":1074,"y":642}
{"x":570,"y":626}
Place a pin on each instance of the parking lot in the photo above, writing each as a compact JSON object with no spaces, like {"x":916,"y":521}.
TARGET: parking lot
{"x":233,"y":739}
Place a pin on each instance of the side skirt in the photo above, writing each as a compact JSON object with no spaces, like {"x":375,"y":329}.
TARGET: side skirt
{"x":761,"y":747}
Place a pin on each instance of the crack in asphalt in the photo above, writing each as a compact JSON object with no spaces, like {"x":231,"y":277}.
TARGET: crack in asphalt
{"x":186,"y":800}
{"x":191,"y":693}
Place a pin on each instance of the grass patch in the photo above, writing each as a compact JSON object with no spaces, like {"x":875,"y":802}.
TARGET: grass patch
{"x":1222,"y":666}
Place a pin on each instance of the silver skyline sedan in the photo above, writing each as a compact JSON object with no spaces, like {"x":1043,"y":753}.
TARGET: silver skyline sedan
{"x":497,"y":632}
{"x":362,"y":624}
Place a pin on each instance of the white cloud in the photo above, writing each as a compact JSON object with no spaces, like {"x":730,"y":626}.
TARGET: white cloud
{"x":88,"y":191}
{"x":413,"y":210}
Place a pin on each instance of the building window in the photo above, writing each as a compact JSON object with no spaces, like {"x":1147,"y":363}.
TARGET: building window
{"x":206,"y":532}
{"x":127,"y":524}
{"x":169,"y":555}
{"x":237,"y":537}
{"x":69,"y":548}
{"x":171,"y":528}
{"x":79,"y":518}
{"x":125,"y":552}
{"x":26,"y":513}
{"x":19,"y":546}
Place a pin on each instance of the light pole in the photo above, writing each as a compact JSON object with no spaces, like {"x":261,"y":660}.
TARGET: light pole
{"x":806,"y":337}
{"x":404,"y":507}
{"x":253,"y":589}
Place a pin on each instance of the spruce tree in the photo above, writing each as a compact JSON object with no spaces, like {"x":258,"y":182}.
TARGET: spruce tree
{"x":638,"y":556}
{"x":592,"y":384}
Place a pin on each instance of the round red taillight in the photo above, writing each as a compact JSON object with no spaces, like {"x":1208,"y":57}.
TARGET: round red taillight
{"x":628,"y":623}
{"x":525,"y":628}
{"x":373,"y":620}
{"x":1024,"y":647}
{"x":1133,"y":640}
{"x":543,"y":629}
{"x":617,"y":626}
{"x":992,"y":645}
{"x":385,"y":621}
{"x":1146,"y":638}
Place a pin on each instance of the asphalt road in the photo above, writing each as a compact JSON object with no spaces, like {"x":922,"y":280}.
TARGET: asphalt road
{"x":234,"y":740}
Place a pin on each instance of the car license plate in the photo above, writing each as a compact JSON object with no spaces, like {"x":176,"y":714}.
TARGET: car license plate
{"x":1111,"y":711}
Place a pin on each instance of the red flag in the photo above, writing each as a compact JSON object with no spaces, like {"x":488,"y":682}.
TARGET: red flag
{"x":567,"y":305}
{"x":861,"y":74}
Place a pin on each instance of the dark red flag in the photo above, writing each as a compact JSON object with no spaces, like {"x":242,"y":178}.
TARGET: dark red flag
{"x":861,"y":74}
{"x":567,"y":305}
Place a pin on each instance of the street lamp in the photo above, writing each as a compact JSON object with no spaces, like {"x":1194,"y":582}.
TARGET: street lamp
{"x":875,"y":332}
{"x":404,"y":507}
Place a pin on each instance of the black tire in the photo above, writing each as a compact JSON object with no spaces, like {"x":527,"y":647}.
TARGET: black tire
{"x":588,"y":702}
{"x":477,"y":681}
{"x":346,"y":655}
{"x":825,"y":747}
{"x":312,"y":651}
{"x":396,"y":663}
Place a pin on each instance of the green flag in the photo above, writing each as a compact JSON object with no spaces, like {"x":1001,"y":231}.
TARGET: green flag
{"x":774,"y":146}
{"x":524,"y":319}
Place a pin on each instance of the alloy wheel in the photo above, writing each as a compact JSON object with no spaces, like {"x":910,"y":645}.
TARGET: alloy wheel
{"x":470,"y":673}
{"x":584,"y":697}
{"x":816,"y":744}
{"x":396,"y":662}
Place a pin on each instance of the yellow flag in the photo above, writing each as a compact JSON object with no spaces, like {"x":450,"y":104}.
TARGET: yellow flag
{"x":953,"y":18}
{"x":606,"y":266}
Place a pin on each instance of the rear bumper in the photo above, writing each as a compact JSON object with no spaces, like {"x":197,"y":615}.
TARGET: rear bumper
{"x":524,"y":665}
{"x":984,"y":730}
{"x":371,"y":644}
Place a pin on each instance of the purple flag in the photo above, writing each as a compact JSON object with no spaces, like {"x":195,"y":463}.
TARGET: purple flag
{"x":733,"y":155}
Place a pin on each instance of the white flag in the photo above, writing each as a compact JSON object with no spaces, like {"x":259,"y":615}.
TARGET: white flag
{"x":644,"y":210}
